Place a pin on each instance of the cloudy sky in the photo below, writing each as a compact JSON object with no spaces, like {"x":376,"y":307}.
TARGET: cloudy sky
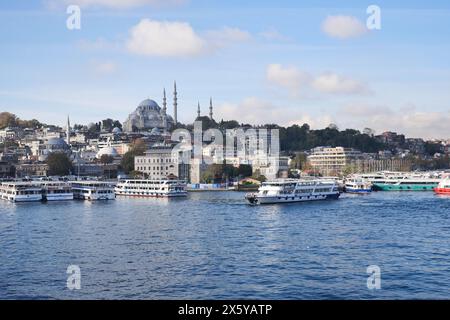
{"x":262,"y":61}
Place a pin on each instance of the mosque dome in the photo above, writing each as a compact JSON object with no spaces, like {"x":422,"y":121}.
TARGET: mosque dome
{"x":147,"y":116}
{"x":109,"y":151}
{"x":149,"y":104}
{"x":56,"y":143}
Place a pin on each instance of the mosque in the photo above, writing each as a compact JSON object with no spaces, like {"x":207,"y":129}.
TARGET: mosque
{"x":150,"y":117}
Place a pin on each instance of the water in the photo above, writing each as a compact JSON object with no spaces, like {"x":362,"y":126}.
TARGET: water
{"x":214,"y":246}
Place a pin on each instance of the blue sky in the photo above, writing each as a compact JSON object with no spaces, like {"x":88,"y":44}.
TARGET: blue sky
{"x":262,"y":61}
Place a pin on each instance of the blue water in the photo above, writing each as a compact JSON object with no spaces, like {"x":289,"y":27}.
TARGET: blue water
{"x":214,"y":246}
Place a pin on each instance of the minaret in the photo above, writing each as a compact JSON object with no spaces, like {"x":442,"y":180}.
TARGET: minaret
{"x":164,"y":110}
{"x":175,"y":102}
{"x":198,"y":110}
{"x":210,"y":109}
{"x":68,"y":131}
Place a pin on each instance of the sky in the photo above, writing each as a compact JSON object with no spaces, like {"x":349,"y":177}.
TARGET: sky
{"x":284,"y":62}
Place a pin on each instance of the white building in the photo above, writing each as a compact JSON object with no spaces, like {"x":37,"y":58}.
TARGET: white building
{"x":159,"y":163}
{"x":332,"y":160}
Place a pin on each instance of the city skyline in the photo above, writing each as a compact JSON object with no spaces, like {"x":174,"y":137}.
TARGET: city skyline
{"x":293,"y":64}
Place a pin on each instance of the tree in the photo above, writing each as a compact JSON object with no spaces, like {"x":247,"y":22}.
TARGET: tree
{"x":369,"y":132}
{"x":59,"y":164}
{"x":106,"y":159}
{"x":7,"y":120}
{"x":127,"y":162}
{"x":138,"y":147}
{"x":245,"y":170}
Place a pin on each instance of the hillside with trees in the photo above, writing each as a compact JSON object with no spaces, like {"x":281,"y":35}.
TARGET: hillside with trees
{"x":8,"y":119}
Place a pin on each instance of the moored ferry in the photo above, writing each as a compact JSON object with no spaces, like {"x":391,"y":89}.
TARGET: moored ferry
{"x":294,"y":190}
{"x":151,"y":188}
{"x":443,"y":187}
{"x":20,"y":191}
{"x":56,"y":190}
{"x":93,"y":190}
{"x":407,"y":184}
{"x":357,"y":185}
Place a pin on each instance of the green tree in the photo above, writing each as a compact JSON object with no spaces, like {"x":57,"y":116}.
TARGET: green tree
{"x":138,"y":147}
{"x":59,"y":164}
{"x":245,"y":170}
{"x":106,"y":159}
{"x":127,"y":162}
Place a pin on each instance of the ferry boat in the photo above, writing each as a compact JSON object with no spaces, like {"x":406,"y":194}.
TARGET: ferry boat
{"x":443,"y":187}
{"x":93,"y":190}
{"x":294,"y":190}
{"x":56,"y":190}
{"x":358,"y":186}
{"x":20,"y":191}
{"x":407,"y":183}
{"x":151,"y":188}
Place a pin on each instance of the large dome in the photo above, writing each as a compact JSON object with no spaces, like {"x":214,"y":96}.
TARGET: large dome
{"x":109,"y":151}
{"x":56,"y":142}
{"x":149,"y":104}
{"x":148,"y":115}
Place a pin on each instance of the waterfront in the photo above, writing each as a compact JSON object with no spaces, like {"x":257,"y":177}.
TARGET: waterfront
{"x":212,"y":245}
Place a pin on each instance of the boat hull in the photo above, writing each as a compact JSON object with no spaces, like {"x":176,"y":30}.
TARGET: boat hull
{"x":58,"y":197}
{"x":291,"y":199}
{"x":358,"y":191}
{"x":404,"y":187}
{"x":95,"y":197}
{"x":445,"y":191}
{"x":152,"y":195}
{"x":27,"y":198}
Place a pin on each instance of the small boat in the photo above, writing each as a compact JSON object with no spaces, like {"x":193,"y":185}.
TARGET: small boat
{"x":294,"y":190}
{"x":358,"y":186}
{"x":163,"y":188}
{"x":443,"y":187}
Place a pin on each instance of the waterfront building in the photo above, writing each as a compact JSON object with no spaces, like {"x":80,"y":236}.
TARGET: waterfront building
{"x":159,"y":163}
{"x":37,"y":169}
{"x":331,"y":161}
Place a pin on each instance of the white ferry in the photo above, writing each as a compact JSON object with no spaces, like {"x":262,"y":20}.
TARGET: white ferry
{"x":93,"y":190}
{"x":56,"y":190}
{"x":151,"y":188}
{"x":357,"y":185}
{"x":294,"y":190}
{"x":20,"y":191}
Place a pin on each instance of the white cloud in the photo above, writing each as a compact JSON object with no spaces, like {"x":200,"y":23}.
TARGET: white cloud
{"x":257,"y":111}
{"x":333,"y":83}
{"x":179,"y":39}
{"x":273,"y":35}
{"x":406,"y":120}
{"x":165,"y":38}
{"x":112,"y":4}
{"x":343,"y":27}
{"x":297,"y":81}
{"x":288,"y":77}
{"x":104,"y":67}
{"x":226,"y":35}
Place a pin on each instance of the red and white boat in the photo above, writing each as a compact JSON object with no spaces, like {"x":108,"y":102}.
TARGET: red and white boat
{"x":443,"y":187}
